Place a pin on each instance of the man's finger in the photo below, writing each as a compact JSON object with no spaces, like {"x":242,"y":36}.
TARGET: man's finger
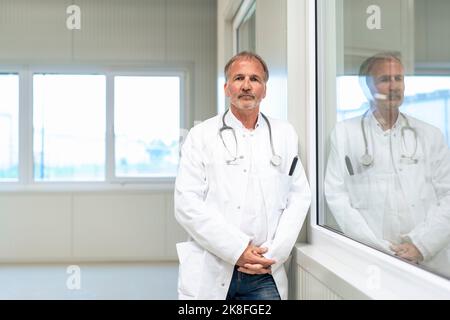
{"x":254,"y":267}
{"x":263,"y":261}
{"x":245,"y":270}
{"x":253,"y":272}
{"x":260,"y":250}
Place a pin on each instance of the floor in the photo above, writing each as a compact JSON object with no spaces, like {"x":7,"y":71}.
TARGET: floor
{"x":156,"y":281}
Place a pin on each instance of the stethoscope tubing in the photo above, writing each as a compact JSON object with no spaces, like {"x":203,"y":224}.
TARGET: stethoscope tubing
{"x":275,"y":160}
{"x":367,"y":159}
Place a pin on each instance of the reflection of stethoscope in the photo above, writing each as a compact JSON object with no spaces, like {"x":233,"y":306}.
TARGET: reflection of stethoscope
{"x":367,"y":159}
{"x":275,"y":160}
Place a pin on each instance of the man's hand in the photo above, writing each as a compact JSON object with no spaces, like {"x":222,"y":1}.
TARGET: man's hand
{"x":252,"y":261}
{"x":407,"y":251}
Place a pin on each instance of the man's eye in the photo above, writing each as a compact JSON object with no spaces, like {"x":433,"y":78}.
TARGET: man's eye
{"x":254,"y":79}
{"x":239,"y":78}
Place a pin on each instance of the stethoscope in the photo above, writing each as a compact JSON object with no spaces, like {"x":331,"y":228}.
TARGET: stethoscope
{"x":275,"y":160}
{"x":367,"y":159}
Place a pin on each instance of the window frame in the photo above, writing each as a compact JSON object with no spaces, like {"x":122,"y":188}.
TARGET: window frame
{"x":331,"y":255}
{"x":14,"y":70}
{"x":110,"y":174}
{"x":26,"y":180}
{"x":239,"y":18}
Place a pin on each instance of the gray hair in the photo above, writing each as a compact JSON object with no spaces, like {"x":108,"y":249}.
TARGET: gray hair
{"x":369,"y":63}
{"x":246,"y":55}
{"x":367,"y":66}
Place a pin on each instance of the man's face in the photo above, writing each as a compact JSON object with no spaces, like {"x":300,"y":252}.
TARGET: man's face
{"x":387,"y":84}
{"x":245,"y":85}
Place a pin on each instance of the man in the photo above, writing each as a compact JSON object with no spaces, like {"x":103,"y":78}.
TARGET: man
{"x":235,"y":198}
{"x":388,"y":175}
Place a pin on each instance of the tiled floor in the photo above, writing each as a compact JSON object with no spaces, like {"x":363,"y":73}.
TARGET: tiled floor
{"x":96,"y":281}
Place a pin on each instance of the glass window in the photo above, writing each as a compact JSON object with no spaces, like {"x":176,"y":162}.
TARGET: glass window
{"x":146,"y":125}
{"x":384,"y":99}
{"x":69,"y":118}
{"x":246,"y":31}
{"x":9,"y":123}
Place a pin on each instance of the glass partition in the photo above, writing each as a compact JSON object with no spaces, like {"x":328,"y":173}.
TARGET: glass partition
{"x":384,"y":99}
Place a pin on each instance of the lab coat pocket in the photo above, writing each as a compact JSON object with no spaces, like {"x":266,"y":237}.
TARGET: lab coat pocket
{"x":191,"y":257}
{"x":428,"y":197}
{"x":285,"y":183}
{"x":276,"y":187}
{"x":359,"y":191}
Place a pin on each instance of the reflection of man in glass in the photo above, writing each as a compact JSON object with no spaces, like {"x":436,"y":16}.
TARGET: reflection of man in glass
{"x":388,"y":175}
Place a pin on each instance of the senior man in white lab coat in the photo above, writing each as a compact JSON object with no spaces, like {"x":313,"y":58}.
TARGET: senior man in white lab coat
{"x":388,"y":174}
{"x":239,"y":196}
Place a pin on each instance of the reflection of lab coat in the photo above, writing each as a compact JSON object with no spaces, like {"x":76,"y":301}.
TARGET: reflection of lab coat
{"x":208,"y":197}
{"x":410,"y":199}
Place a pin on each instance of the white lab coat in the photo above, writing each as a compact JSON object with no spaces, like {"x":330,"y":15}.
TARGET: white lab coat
{"x":358,"y":202}
{"x":208,"y":194}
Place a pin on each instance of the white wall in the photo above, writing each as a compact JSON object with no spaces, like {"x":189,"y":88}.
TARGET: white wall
{"x":71,"y":226}
{"x":432,"y":25}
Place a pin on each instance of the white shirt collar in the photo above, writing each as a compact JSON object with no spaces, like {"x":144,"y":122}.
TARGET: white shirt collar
{"x":378,"y":128}
{"x":232,"y":121}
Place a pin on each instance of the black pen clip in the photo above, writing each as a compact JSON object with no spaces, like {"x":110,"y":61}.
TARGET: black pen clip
{"x":348,"y":163}
{"x":293,"y":165}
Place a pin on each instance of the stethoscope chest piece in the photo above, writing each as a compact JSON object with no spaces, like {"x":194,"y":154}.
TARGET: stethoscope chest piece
{"x":366,"y":159}
{"x":275,"y":160}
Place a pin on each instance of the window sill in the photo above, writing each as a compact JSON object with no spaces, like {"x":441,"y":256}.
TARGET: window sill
{"x":160,"y":184}
{"x":355,"y":271}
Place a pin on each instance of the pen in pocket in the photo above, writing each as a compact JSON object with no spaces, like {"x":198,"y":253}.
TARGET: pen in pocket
{"x":348,"y":163}
{"x":293,"y":165}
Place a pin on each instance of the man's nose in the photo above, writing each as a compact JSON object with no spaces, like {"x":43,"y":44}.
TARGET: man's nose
{"x":246,"y":85}
{"x":395,"y":83}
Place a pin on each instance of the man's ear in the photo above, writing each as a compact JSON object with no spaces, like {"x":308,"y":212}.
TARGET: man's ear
{"x":366,"y":87}
{"x":225,"y":89}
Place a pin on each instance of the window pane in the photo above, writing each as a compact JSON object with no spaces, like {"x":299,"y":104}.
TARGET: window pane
{"x":246,"y":32}
{"x":9,"y":122}
{"x":146,"y":125}
{"x":386,"y":118}
{"x":69,"y":127}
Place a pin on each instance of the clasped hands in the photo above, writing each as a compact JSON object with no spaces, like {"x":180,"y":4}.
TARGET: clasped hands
{"x":407,"y":251}
{"x":252,"y":261}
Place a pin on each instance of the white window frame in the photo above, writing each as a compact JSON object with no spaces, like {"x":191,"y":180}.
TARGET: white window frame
{"x":15,"y":70}
{"x":26,"y":180}
{"x":110,"y":174}
{"x":335,"y":259}
{"x":238,"y":19}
